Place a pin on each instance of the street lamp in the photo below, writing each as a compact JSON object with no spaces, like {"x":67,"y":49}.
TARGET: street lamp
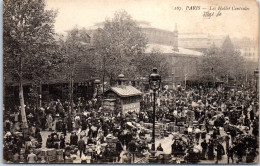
{"x":154,"y":82}
{"x":213,"y":76}
{"x":97,"y":83}
{"x":172,"y":80}
{"x":256,"y":74}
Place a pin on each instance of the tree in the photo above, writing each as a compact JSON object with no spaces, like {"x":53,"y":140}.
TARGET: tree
{"x":222,"y":63}
{"x":75,"y":49}
{"x":155,"y":59}
{"x":29,"y":46}
{"x":118,"y":44}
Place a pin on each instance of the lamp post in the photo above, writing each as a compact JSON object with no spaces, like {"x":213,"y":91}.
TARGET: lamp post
{"x":172,"y":80}
{"x":154,"y":82}
{"x":97,"y":83}
{"x":256,"y":74}
{"x":213,"y":76}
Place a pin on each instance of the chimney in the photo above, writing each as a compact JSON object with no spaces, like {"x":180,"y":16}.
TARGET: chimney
{"x":121,"y":81}
{"x":175,"y":39}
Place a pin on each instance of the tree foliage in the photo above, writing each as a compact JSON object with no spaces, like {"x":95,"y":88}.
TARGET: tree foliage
{"x":154,"y":59}
{"x":75,"y":48}
{"x":222,"y":63}
{"x":118,"y":43}
{"x":29,"y":46}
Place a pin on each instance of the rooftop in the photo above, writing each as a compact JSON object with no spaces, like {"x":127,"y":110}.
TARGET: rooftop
{"x":165,"y":49}
{"x":126,"y":91}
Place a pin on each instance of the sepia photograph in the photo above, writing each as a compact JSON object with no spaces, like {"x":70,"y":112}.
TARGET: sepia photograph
{"x":130,"y":82}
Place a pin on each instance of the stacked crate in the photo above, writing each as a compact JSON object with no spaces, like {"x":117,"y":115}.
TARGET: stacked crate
{"x":41,"y":153}
{"x":182,"y":129}
{"x":51,"y":155}
{"x":60,"y":158}
{"x":176,"y":128}
{"x":171,"y":127}
{"x":22,"y":154}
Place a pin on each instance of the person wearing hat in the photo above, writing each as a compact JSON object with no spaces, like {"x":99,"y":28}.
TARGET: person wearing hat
{"x":204,"y":146}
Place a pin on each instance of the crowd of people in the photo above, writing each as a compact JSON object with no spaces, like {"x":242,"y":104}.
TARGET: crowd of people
{"x":204,"y":124}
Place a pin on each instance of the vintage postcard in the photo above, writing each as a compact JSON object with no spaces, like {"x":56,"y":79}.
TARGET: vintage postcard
{"x":131,"y":81}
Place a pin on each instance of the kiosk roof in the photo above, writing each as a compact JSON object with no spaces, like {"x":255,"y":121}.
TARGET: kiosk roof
{"x":126,"y":91}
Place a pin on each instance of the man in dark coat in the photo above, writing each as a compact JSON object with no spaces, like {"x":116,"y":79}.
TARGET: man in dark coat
{"x":211,"y":150}
{"x":38,"y":137}
{"x":49,"y":142}
{"x":69,"y":123}
{"x":230,"y":154}
{"x":159,"y":148}
{"x":119,"y":149}
{"x":204,"y":146}
{"x":220,"y":151}
{"x":81,"y":145}
{"x":132,"y":148}
{"x":64,"y":128}
{"x":73,"y":139}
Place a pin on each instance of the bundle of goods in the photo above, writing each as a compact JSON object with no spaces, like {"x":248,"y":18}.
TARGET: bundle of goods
{"x":148,"y":125}
{"x":90,"y":148}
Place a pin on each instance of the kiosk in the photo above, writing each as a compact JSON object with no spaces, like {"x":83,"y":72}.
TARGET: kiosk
{"x":122,"y":97}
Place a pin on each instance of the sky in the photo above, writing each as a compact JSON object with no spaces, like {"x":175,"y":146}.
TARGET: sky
{"x":162,"y":14}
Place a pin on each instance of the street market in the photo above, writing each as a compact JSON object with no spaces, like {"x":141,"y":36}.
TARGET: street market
{"x":194,"y":125}
{"x":130,"y":82}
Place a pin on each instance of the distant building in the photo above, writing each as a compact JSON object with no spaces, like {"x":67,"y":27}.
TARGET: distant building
{"x":248,"y":48}
{"x":183,"y":61}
